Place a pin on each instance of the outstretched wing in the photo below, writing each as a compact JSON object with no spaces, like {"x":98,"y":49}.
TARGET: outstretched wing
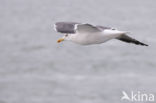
{"x":65,"y":27}
{"x":102,"y":28}
{"x":73,"y":27}
{"x":86,"y":28}
{"x":128,"y":39}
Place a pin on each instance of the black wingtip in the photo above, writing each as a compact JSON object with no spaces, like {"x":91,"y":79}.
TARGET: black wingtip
{"x":145,"y":45}
{"x":140,"y":43}
{"x":128,"y":39}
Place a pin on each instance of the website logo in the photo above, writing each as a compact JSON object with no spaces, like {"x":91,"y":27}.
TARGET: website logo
{"x":137,"y":96}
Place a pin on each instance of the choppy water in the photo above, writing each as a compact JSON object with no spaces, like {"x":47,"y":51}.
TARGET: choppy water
{"x":35,"y":69}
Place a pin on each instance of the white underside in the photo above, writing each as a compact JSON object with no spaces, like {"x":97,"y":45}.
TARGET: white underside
{"x":95,"y":38}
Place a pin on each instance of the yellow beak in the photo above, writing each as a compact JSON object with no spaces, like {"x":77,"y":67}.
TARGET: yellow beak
{"x":60,"y":40}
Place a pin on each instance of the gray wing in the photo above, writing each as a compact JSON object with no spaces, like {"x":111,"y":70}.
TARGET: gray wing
{"x":65,"y":27}
{"x":104,"y":27}
{"x":128,"y":39}
{"x":86,"y":28}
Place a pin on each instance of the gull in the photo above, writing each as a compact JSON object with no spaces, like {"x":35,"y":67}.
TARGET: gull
{"x":87,"y":34}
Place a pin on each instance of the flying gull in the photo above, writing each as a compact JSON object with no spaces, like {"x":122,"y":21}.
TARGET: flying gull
{"x":86,"y":34}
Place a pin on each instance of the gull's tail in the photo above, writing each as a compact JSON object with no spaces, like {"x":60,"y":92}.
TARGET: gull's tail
{"x":126,"y":38}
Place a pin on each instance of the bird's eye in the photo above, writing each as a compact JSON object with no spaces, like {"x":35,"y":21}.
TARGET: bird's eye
{"x":113,"y":29}
{"x":66,"y":35}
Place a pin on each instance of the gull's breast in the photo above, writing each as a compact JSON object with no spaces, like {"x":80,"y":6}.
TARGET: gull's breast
{"x":91,"y":38}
